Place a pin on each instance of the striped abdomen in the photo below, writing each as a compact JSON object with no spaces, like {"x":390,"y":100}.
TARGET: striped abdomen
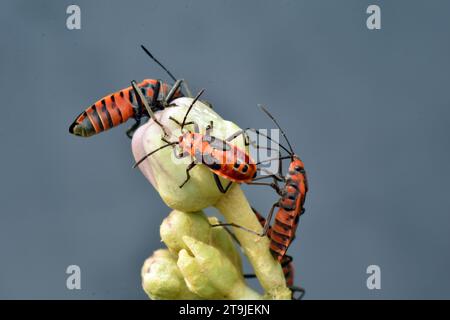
{"x":290,"y":209}
{"x":286,"y":261}
{"x":117,"y":108}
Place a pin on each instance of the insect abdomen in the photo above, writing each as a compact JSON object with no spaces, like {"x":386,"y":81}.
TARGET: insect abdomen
{"x":237,"y":166}
{"x":286,"y":261}
{"x":114,"y":109}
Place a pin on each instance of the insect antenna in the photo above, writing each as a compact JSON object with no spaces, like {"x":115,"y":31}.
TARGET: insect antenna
{"x":159,"y":63}
{"x":143,"y":101}
{"x":190,"y":108}
{"x":276,"y":123}
{"x":259,"y":133}
{"x":271,"y":159}
{"x":154,"y":151}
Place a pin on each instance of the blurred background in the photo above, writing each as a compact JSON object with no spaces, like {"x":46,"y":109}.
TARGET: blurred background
{"x":367,"y":110}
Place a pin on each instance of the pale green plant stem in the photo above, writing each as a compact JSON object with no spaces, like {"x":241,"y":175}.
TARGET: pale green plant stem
{"x":235,"y":208}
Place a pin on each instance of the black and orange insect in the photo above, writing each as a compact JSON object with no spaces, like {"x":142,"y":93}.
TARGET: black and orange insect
{"x":220,"y":156}
{"x":286,"y":263}
{"x":290,"y":204}
{"x":119,"y":107}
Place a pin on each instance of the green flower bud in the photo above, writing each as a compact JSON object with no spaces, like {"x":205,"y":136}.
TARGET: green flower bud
{"x":162,"y":280}
{"x":210,"y":274}
{"x":222,"y":240}
{"x":179,"y":224}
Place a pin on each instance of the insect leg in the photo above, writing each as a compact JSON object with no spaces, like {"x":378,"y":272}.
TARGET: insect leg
{"x":172,"y":91}
{"x":188,"y":176}
{"x":221,"y":224}
{"x":190,"y":107}
{"x":137,"y":118}
{"x":186,"y":88}
{"x":196,"y":128}
{"x":155,"y":96}
{"x":176,"y":86}
{"x":209,"y":128}
{"x":237,"y":134}
{"x":273,"y":185}
{"x":297,"y":289}
{"x":269,"y":217}
{"x":142,"y":101}
{"x":219,"y":184}
{"x":233,"y":236}
{"x":153,"y":152}
{"x":287,"y":259}
{"x":178,"y":156}
{"x":133,"y":128}
{"x":276,"y":177}
{"x":178,"y":122}
{"x":265,"y":228}
{"x":247,"y":142}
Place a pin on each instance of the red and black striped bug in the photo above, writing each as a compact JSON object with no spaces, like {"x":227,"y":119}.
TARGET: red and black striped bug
{"x":290,"y":204}
{"x":286,"y":263}
{"x":119,"y":107}
{"x":220,"y":156}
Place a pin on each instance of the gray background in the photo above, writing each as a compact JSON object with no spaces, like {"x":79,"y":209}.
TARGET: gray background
{"x":368,"y":111}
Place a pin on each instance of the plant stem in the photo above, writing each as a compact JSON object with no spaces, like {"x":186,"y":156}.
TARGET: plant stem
{"x":242,"y":292}
{"x":235,"y":208}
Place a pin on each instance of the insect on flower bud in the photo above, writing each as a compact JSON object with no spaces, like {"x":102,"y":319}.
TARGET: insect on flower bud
{"x":165,"y":171}
{"x":164,"y":162}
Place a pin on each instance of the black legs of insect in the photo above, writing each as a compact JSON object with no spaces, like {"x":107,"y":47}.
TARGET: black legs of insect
{"x":219,"y":184}
{"x":138,"y":113}
{"x":294,"y":290}
{"x":133,"y":128}
{"x":273,"y":185}
{"x":260,"y":234}
{"x":269,"y":218}
{"x":172,"y":91}
{"x":176,"y":86}
{"x":196,"y":128}
{"x":142,"y":101}
{"x":188,"y":176}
